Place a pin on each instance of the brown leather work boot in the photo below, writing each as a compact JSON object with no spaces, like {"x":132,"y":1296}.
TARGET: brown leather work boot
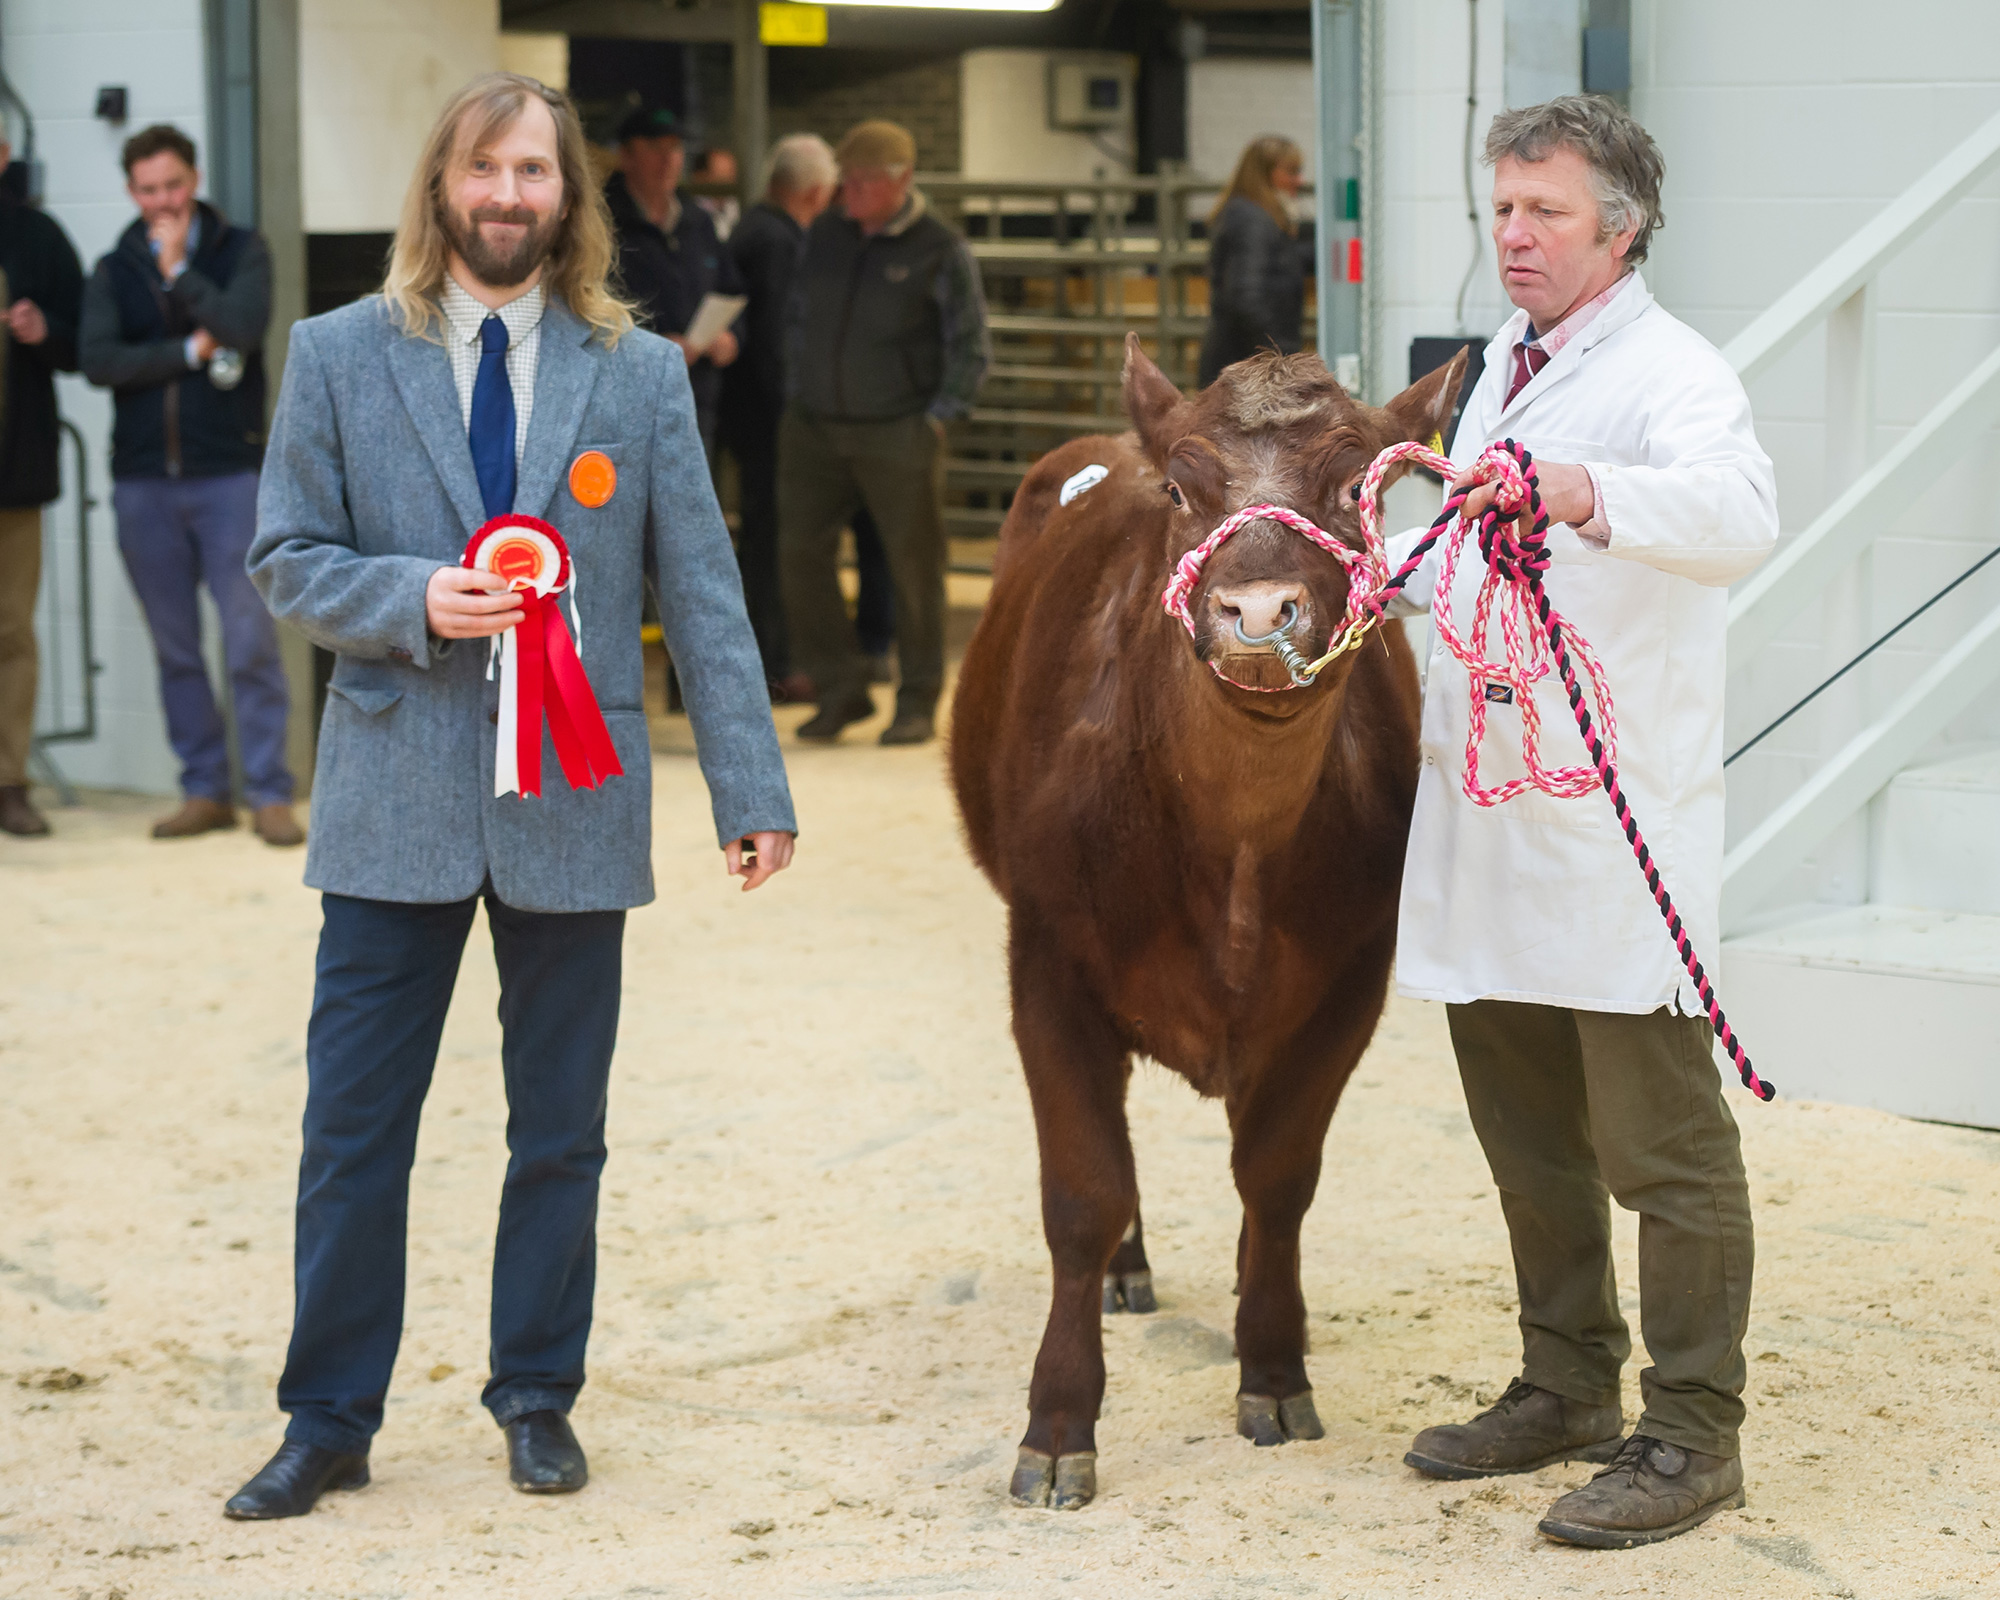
{"x":18,"y":815}
{"x":275,"y":824}
{"x":1653,"y":1491}
{"x":1526,"y":1428}
{"x":198,"y":814}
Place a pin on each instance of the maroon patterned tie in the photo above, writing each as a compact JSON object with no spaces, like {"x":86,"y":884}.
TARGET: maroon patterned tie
{"x":1529,"y":359}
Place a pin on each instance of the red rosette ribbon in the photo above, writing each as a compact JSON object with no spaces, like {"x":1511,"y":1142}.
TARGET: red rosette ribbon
{"x":541,"y":674}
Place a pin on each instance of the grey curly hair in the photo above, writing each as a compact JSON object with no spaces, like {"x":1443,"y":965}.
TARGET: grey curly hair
{"x":1626,"y":170}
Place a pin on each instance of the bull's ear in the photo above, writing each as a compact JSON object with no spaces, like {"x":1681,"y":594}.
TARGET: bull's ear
{"x":1425,"y":407}
{"x":1150,"y":401}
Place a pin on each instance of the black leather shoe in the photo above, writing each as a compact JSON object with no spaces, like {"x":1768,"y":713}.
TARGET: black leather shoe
{"x":909,"y":727}
{"x":543,"y":1456}
{"x":833,"y":715}
{"x":289,"y":1483}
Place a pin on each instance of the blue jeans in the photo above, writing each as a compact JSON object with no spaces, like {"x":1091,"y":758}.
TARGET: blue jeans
{"x":177,"y":533}
{"x":385,"y":978}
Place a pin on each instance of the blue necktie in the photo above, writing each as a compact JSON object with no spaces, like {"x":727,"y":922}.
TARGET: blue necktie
{"x":492,"y":430}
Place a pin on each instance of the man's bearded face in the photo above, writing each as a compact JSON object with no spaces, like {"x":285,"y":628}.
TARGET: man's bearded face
{"x":503,"y":245}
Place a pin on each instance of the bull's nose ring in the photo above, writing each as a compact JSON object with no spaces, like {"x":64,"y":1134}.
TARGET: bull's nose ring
{"x":1275,"y":636}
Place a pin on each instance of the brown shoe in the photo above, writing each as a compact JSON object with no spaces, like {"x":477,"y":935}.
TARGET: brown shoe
{"x":275,"y":824}
{"x":1526,"y":1429}
{"x":198,"y":814}
{"x":18,"y":815}
{"x":1653,"y":1491}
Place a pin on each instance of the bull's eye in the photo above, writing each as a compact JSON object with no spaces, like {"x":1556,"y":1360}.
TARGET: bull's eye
{"x":1354,"y":493}
{"x":1174,"y":494}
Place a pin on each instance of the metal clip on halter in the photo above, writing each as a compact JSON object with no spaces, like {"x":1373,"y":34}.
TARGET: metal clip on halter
{"x":1280,"y":641}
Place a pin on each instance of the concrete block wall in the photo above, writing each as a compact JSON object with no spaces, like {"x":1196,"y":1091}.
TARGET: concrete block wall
{"x":1785,"y":126}
{"x":56,"y":56}
{"x":1427,"y":241}
{"x":828,"y":91}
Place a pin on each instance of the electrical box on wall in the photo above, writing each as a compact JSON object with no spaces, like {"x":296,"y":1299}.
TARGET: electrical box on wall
{"x":1087,"y":92}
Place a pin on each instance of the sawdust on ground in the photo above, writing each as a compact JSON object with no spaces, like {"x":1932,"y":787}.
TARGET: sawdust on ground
{"x":822,"y":1279}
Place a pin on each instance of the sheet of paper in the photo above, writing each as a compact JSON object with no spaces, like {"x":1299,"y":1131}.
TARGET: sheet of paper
{"x":713,"y":316}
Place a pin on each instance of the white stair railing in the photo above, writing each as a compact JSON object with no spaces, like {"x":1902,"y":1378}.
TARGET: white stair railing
{"x":1839,"y":294}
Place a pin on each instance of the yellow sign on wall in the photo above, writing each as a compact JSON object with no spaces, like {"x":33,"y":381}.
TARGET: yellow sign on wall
{"x":781,"y":22}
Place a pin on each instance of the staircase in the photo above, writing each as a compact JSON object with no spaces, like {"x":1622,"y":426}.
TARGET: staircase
{"x":1893,"y":999}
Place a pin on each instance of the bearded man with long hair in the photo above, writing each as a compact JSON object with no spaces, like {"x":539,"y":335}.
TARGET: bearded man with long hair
{"x":495,"y":375}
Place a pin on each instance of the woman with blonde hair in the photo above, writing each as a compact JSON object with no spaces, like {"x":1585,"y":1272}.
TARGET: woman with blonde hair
{"x":1256,"y":268}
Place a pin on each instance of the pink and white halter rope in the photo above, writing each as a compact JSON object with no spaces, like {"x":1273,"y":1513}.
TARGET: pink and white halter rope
{"x":1370,"y":586}
{"x":1537,"y":639}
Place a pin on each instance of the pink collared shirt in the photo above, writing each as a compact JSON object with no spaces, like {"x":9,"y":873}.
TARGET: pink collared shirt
{"x":1596,"y":532}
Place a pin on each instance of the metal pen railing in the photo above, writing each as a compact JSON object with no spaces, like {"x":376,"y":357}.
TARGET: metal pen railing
{"x":71,"y":667}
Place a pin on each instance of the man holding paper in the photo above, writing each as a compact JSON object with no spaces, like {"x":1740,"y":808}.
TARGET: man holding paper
{"x":451,"y":461}
{"x":670,"y":260}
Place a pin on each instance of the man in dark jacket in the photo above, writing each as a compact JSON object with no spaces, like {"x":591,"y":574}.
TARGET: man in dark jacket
{"x":173,"y":324}
{"x":765,"y":244}
{"x":669,"y":257}
{"x":41,"y":286}
{"x":887,"y":342}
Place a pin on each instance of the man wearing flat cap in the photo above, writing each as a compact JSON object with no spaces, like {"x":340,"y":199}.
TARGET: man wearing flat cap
{"x":669,"y":256}
{"x":886,"y":343}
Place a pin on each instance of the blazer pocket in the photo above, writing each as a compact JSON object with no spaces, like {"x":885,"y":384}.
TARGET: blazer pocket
{"x":370,"y":702}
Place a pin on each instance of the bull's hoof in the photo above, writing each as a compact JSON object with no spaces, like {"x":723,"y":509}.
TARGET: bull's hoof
{"x":1264,"y":1421}
{"x":1059,"y":1483}
{"x":1131,"y":1291}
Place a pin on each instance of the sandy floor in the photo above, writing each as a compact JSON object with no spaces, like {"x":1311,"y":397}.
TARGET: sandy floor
{"x":822,"y":1278}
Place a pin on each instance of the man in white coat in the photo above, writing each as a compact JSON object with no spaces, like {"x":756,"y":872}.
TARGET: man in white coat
{"x":1586,"y":1063}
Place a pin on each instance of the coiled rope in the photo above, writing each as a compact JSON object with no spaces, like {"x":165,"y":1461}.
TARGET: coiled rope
{"x":1536,"y":639}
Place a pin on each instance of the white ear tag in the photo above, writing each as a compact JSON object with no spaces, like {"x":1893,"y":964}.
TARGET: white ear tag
{"x":1082,"y":483}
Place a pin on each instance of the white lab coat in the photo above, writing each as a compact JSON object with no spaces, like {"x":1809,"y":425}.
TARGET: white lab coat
{"x":1540,"y":899}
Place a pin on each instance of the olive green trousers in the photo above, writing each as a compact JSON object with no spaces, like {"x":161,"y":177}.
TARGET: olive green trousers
{"x":1575,"y":1108}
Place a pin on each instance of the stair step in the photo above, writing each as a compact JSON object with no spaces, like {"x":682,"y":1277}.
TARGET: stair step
{"x":1893,"y":1007}
{"x":1937,"y":843}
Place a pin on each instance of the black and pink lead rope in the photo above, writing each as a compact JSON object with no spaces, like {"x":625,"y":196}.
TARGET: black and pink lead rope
{"x":1515,"y":562}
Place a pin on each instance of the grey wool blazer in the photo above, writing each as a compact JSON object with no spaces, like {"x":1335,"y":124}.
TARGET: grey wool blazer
{"x":369,"y":488}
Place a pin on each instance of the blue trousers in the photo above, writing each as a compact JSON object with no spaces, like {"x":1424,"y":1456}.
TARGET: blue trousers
{"x":176,"y":534}
{"x":385,"y":976}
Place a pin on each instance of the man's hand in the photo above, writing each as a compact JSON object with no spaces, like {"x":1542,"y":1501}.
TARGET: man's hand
{"x":724,"y":350}
{"x":687,"y":349}
{"x":204,"y":346}
{"x":169,"y":234}
{"x":26,"y":322}
{"x":1566,"y":493}
{"x":768,"y":853}
{"x":462,"y":604}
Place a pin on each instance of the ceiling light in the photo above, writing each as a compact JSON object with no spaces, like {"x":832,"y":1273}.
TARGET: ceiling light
{"x":952,"y":5}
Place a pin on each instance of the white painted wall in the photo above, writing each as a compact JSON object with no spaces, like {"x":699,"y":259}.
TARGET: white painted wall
{"x":373,"y":76}
{"x":543,"y":56}
{"x":1427,"y":243}
{"x":1004,"y":124}
{"x":1234,"y":99}
{"x":1786,"y":125}
{"x":56,"y":56}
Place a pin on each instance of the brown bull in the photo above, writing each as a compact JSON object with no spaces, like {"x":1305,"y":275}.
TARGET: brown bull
{"x":1196,"y":872}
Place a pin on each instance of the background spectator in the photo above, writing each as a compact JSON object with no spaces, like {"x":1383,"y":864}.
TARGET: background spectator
{"x":1256,"y":268}
{"x":718,"y":165}
{"x":668,"y":254}
{"x":798,"y":186}
{"x":41,"y":285}
{"x":173,"y":324}
{"x":886,"y":341}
